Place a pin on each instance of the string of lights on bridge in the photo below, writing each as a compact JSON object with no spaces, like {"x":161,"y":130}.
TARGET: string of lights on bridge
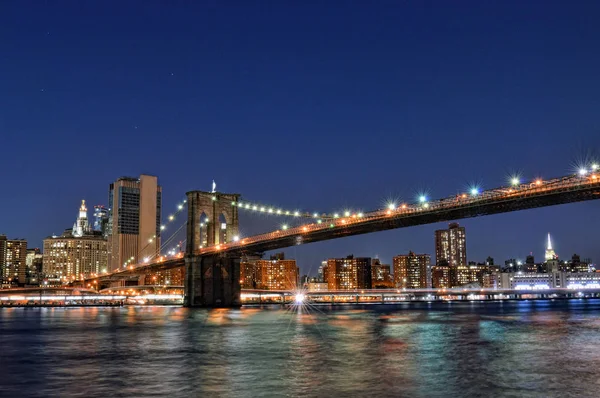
{"x":170,"y":220}
{"x":345,"y":217}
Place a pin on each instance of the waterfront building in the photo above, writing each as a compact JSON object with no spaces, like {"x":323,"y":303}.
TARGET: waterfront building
{"x":277,"y":273}
{"x":440,"y":276}
{"x":412,"y":271}
{"x":381,"y":277}
{"x":451,"y":249}
{"x":134,"y":219}
{"x":170,"y":277}
{"x":13,"y":258}
{"x":76,"y":254}
{"x":576,"y":265}
{"x":538,"y":280}
{"x":348,"y":273}
{"x":473,"y":273}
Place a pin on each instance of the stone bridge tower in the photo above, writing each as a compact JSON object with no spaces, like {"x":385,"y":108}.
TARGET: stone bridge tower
{"x":211,"y":280}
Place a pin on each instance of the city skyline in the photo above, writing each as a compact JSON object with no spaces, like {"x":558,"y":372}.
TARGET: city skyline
{"x":454,"y":107}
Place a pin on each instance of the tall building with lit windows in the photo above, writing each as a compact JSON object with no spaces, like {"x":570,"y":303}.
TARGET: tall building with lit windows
{"x":277,"y":273}
{"x":134,"y":218}
{"x":13,"y":255}
{"x":348,"y":273}
{"x":76,"y":254}
{"x":451,"y":246}
{"x":412,"y":271}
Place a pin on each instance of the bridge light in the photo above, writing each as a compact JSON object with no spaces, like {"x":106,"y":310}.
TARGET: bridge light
{"x":336,"y":215}
{"x":347,"y":214}
{"x":299,"y":298}
{"x":284,"y":227}
{"x":538,"y":182}
{"x":319,"y":221}
{"x":404,"y":206}
{"x":474,"y":191}
{"x":214,"y":198}
{"x":278,"y":211}
{"x":595,"y":167}
{"x":426,"y":205}
{"x":296,"y":214}
{"x":287,"y":213}
{"x":150,"y":240}
{"x":304,"y":229}
{"x":171,"y":217}
{"x":422,"y":198}
{"x":247,"y":205}
{"x":180,"y":207}
{"x":162,"y":227}
{"x":233,"y":203}
{"x":262,"y":209}
{"x":582,"y":172}
{"x":270,"y":210}
{"x":360,"y":214}
{"x":514,"y":181}
{"x":392,"y":206}
{"x":236,"y":238}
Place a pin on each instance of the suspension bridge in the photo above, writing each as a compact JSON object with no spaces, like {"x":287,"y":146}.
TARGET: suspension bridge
{"x":213,"y":246}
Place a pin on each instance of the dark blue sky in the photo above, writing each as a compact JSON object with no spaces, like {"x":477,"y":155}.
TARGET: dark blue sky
{"x":315,"y":106}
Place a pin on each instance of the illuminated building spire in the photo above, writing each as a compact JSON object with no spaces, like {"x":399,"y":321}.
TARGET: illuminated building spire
{"x":550,"y":255}
{"x":81,"y":225}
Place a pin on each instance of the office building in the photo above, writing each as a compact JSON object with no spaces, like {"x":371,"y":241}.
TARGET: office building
{"x":348,"y":273}
{"x":134,"y":219}
{"x":451,"y":246}
{"x":412,"y":271}
{"x":76,"y":254}
{"x":13,"y":258}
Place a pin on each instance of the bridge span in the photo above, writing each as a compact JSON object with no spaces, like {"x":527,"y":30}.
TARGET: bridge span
{"x":212,"y":270}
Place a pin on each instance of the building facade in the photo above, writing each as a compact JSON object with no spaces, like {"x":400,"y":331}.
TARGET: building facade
{"x":76,"y":254}
{"x":451,"y":246}
{"x":381,"y":277}
{"x":348,"y":273}
{"x":13,"y":258}
{"x":101,"y":220}
{"x":440,"y":277}
{"x":134,"y":219}
{"x":412,"y":271}
{"x":277,"y":273}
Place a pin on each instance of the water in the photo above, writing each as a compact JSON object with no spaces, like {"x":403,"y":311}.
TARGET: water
{"x":511,"y":349}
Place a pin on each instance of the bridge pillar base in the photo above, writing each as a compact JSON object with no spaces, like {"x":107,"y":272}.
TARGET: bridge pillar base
{"x":212,"y":281}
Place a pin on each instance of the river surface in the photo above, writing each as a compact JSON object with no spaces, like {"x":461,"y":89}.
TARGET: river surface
{"x":510,"y":349}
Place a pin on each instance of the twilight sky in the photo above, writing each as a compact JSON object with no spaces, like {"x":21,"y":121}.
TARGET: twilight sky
{"x":314,"y":106}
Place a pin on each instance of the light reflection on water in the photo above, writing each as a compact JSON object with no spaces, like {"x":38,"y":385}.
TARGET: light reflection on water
{"x":539,"y":349}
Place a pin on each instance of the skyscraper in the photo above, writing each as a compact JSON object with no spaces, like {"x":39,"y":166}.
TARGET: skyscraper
{"x":451,"y":246}
{"x":101,"y":219}
{"x":412,"y":271}
{"x":550,"y":255}
{"x":134,"y":219}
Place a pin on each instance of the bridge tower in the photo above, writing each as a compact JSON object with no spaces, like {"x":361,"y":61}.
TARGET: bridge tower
{"x":211,"y":280}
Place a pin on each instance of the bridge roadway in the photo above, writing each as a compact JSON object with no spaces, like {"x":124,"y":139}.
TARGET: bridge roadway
{"x":540,"y":193}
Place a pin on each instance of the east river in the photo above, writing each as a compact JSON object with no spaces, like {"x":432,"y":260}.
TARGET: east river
{"x":493,"y":349}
